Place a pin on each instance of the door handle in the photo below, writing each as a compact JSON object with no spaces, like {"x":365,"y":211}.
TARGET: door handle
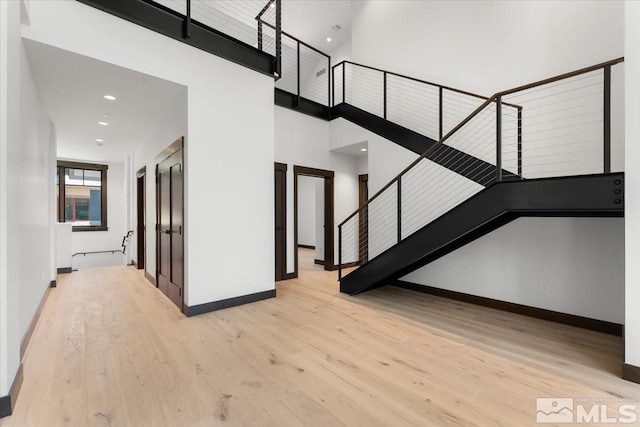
{"x":169,"y":231}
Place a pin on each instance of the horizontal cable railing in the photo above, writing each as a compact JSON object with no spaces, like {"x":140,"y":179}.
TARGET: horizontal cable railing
{"x":555,"y":127}
{"x":305,"y":69}
{"x":238,"y":19}
{"x":424,"y":107}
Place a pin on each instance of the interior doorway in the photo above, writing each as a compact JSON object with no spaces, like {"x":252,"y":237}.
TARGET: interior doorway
{"x":325,"y":229}
{"x":141,"y":217}
{"x":169,"y":225}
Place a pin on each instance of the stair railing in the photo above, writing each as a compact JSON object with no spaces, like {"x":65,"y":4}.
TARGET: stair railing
{"x":425,"y":107}
{"x":561,"y":126}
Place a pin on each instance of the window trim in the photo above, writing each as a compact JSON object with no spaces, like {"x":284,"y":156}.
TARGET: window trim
{"x":62,"y":165}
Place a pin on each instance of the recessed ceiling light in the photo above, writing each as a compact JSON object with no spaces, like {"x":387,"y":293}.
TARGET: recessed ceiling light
{"x":99,"y":140}
{"x":110,"y":97}
{"x":329,"y":39}
{"x":272,"y":5}
{"x":106,"y":115}
{"x":103,"y":123}
{"x":102,"y":160}
{"x":363,"y":149}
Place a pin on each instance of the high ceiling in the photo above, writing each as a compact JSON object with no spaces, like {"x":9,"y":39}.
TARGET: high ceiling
{"x":72,"y":89}
{"x":312,"y":20}
{"x":72,"y":86}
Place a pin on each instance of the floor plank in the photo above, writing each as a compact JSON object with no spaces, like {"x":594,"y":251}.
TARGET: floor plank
{"x":110,"y":350}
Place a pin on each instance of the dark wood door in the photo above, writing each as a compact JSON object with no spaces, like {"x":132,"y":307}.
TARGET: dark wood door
{"x":280,"y":191}
{"x":170,"y":227}
{"x":140,"y":186}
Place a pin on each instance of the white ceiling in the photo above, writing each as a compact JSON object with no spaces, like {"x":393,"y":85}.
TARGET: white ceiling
{"x":72,"y":87}
{"x":311,"y":21}
{"x":354,"y":149}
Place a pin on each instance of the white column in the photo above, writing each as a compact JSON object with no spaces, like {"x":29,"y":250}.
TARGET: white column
{"x":9,"y":168}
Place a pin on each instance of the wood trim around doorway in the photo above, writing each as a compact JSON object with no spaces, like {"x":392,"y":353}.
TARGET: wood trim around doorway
{"x":141,"y":220}
{"x":176,"y":146}
{"x":280,"y":212}
{"x":328,"y":212}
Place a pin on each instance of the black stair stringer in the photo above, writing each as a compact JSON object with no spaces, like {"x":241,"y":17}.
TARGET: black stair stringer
{"x":491,"y":208}
{"x":464,"y":164}
{"x":455,"y":160}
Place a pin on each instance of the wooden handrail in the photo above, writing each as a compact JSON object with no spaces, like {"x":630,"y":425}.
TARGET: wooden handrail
{"x":561,"y":76}
{"x":472,"y":115}
{"x":452,"y":89}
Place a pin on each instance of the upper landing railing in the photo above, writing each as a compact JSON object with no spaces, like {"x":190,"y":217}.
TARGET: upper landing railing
{"x":240,"y":20}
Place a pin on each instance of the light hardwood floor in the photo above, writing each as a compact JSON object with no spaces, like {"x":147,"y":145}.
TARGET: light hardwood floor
{"x":110,"y":350}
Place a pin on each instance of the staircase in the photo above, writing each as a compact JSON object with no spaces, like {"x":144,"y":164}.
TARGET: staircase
{"x":543,"y":149}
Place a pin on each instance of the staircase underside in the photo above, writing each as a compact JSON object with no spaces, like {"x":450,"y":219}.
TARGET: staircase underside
{"x":497,"y":205}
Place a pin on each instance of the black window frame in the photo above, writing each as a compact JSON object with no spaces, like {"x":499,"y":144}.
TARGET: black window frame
{"x":62,"y":165}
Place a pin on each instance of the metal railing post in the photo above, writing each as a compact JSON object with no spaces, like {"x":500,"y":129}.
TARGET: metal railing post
{"x":328,"y":82}
{"x":440,"y":113}
{"x":520,"y":142}
{"x":399,"y":203}
{"x":187,"y":21}
{"x":499,"y":138}
{"x":279,"y":38}
{"x":333,"y":86}
{"x":260,"y":35}
{"x":344,"y":93}
{"x":607,"y":119}
{"x":384,"y":93}
{"x":298,"y":71}
{"x":340,"y":252}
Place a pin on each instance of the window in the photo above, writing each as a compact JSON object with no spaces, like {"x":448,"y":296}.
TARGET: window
{"x":82,"y":195}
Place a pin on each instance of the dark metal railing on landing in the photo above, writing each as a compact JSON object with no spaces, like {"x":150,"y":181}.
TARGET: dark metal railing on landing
{"x":305,"y":70}
{"x":240,"y":20}
{"x":555,"y":127}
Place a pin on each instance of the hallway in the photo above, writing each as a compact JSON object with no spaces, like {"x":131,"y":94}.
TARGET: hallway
{"x":112,"y":350}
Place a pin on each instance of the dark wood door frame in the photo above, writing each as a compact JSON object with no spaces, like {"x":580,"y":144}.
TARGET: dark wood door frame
{"x":280,"y":223}
{"x":328,"y":177}
{"x":167,"y":152}
{"x":141,"y":216}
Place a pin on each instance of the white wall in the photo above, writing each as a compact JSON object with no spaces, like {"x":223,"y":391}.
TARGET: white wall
{"x":487,"y":46}
{"x":632,"y":184}
{"x":304,"y":141}
{"x":26,"y":214}
{"x":307,"y":210}
{"x":223,"y":99}
{"x":9,"y":175}
{"x":35,"y":189}
{"x":580,"y":259}
{"x":90,"y":241}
